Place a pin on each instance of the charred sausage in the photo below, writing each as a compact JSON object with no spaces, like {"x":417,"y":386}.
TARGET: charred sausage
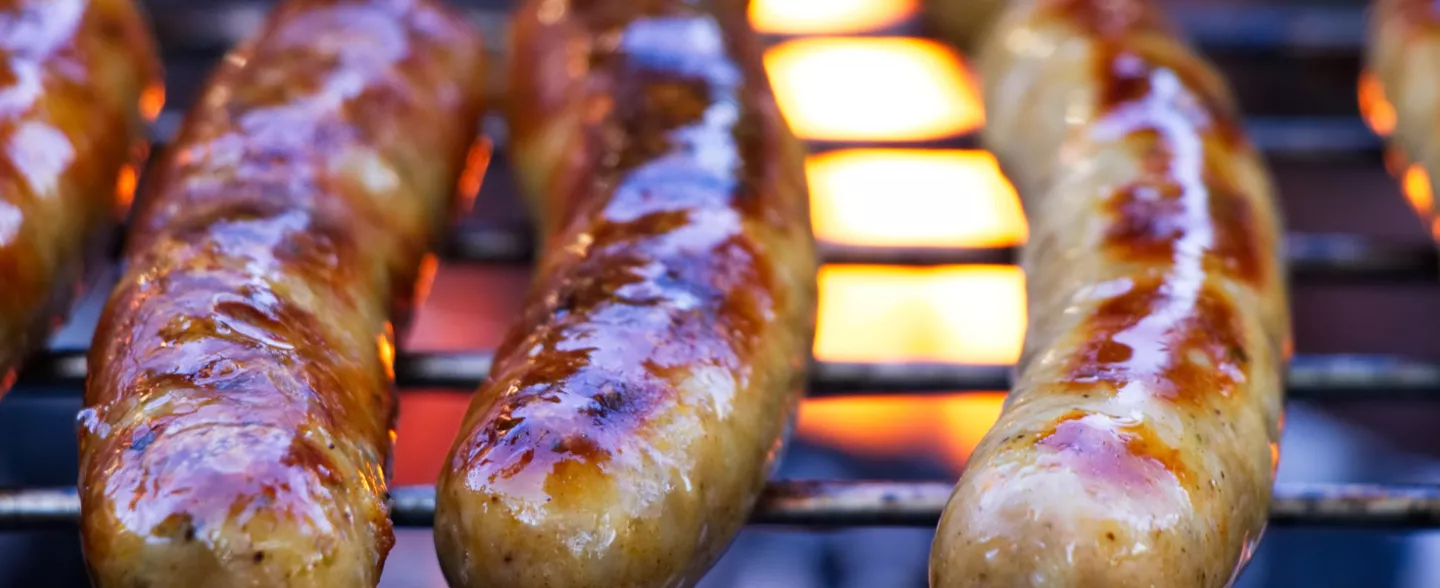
{"x":1402,"y":55}
{"x":1137,"y":447}
{"x":633,"y":414}
{"x":73,"y":76}
{"x":238,"y":416}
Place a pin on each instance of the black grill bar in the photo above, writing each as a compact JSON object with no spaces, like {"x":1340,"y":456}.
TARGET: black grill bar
{"x":210,"y":27}
{"x":824,"y":503}
{"x":1281,"y":138}
{"x":1311,"y":377}
{"x":1311,"y":257}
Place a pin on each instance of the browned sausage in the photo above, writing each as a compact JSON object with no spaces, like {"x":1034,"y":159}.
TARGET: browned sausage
{"x":633,"y":414}
{"x":72,"y":77}
{"x":1137,"y":447}
{"x":1402,"y":58}
{"x":238,"y":417}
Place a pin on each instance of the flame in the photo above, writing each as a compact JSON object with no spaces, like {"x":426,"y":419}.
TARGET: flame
{"x":125,"y":189}
{"x":811,"y":17}
{"x":1416,"y":184}
{"x":891,"y":425}
{"x":1378,"y":112}
{"x":425,"y":279}
{"x":152,"y":101}
{"x":385,"y":342}
{"x":875,"y":197}
{"x":964,"y":314}
{"x":476,"y":162}
{"x":873,"y":89}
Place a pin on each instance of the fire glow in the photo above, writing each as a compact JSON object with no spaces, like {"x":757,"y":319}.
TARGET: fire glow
{"x":872,"y":89}
{"x":811,"y":17}
{"x":936,"y":198}
{"x":959,"y":314}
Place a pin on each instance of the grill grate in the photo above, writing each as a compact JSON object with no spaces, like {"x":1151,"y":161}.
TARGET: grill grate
{"x":197,"y":32}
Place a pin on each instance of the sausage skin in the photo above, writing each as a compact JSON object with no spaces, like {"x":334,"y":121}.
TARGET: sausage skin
{"x":632,"y":416}
{"x":72,"y":77}
{"x":1402,"y":56}
{"x":1138,"y":445}
{"x":238,"y":415}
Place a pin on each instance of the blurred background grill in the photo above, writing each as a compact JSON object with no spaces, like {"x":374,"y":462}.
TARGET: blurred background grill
{"x":921,"y":308}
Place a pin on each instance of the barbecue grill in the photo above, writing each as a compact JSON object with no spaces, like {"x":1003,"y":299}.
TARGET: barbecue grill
{"x":1293,"y":66}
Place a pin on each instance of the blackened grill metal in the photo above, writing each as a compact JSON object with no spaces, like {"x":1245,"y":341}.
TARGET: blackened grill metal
{"x":188,"y":31}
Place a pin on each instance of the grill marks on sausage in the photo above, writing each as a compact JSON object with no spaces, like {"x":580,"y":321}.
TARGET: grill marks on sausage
{"x":656,"y":275}
{"x":1125,"y":454}
{"x":1165,"y":341}
{"x":294,"y":207}
{"x":1181,"y":206}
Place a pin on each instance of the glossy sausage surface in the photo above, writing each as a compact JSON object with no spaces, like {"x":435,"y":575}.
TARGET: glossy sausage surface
{"x":1138,"y":445}
{"x":238,"y":417}
{"x":634,"y":413}
{"x":1402,"y":87}
{"x":73,"y":76}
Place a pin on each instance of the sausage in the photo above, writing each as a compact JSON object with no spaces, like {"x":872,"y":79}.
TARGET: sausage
{"x":1138,"y":446}
{"x":632,"y":416}
{"x":238,"y":415}
{"x":963,"y":23}
{"x":72,"y":77}
{"x":1401,"y":56}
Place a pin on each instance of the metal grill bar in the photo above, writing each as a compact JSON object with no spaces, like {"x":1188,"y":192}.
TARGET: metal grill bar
{"x":1311,"y":377}
{"x":1310,"y":256}
{"x":859,"y":503}
{"x":216,"y":26}
{"x":1285,"y":138}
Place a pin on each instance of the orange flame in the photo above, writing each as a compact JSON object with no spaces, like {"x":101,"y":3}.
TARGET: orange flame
{"x":125,"y":189}
{"x":425,"y":279}
{"x":1416,"y":184}
{"x":385,"y":343}
{"x":873,"y":89}
{"x":809,"y":17}
{"x":875,"y":197}
{"x":471,"y":178}
{"x":964,"y":314}
{"x":152,"y":101}
{"x":1378,"y":112}
{"x":882,"y":426}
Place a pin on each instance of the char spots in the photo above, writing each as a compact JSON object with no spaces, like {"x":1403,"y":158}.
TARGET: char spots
{"x":309,"y":457}
{"x":1129,"y":455}
{"x":1150,"y":221}
{"x":649,"y":107}
{"x":1172,"y":345}
{"x":1173,"y":81}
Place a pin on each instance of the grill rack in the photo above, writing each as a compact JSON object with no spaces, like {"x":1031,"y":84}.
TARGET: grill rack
{"x":187,"y":30}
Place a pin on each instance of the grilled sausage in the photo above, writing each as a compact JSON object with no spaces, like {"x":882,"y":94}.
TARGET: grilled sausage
{"x":632,"y":416}
{"x":239,"y":410}
{"x":963,"y":23}
{"x":1403,"y":54}
{"x":1138,"y":445}
{"x":73,"y":74}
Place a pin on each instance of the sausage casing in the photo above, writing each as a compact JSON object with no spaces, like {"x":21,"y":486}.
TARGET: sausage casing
{"x":631,"y":418}
{"x":72,"y":77}
{"x":1138,"y":445}
{"x":1402,"y":58}
{"x":238,"y":415}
